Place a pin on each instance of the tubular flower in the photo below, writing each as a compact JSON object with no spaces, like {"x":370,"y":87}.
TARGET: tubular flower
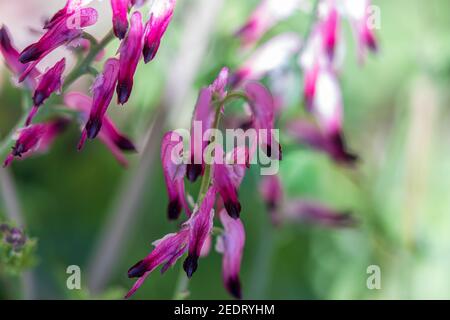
{"x":266,"y":15}
{"x":231,"y":245}
{"x":334,"y":145}
{"x":262,"y":107}
{"x":130,"y":53}
{"x":358,"y":13}
{"x":272,"y":192}
{"x":314,"y":212}
{"x":200,"y":227}
{"x":204,"y":115}
{"x":161,"y":14}
{"x":109,"y":135}
{"x":269,"y":57}
{"x":329,"y":28}
{"x":167,"y":251}
{"x":35,"y":138}
{"x":70,"y":7}
{"x":174,"y":172}
{"x":103,"y":90}
{"x":63,"y":31}
{"x":50,"y":82}
{"x":11,"y":56}
{"x":120,"y":17}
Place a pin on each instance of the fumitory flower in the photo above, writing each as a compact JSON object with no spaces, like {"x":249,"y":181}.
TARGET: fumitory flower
{"x":50,"y":82}
{"x":174,"y":172}
{"x":109,"y":135}
{"x":35,"y":138}
{"x":120,"y":17}
{"x":329,"y":28}
{"x":130,"y":52}
{"x":103,"y":91}
{"x":231,"y":244}
{"x":11,"y":56}
{"x":266,"y":15}
{"x":63,"y":31}
{"x":161,"y":14}
{"x":272,"y":193}
{"x":70,"y":7}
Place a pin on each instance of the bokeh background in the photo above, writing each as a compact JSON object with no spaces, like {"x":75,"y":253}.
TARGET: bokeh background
{"x":396,"y":118}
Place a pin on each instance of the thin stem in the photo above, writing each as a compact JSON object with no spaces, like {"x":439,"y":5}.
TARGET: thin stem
{"x":84,"y":66}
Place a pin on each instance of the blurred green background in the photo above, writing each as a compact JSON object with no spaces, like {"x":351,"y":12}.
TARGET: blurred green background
{"x":396,"y":119}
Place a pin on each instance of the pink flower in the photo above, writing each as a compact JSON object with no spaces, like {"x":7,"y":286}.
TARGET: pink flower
{"x":103,"y":90}
{"x":201,"y":225}
{"x":262,"y":106}
{"x":70,"y":7}
{"x":315,"y":212}
{"x":167,"y":251}
{"x":204,"y":114}
{"x":174,"y":172}
{"x":130,"y":53}
{"x":50,"y":82}
{"x":109,"y":135}
{"x":266,"y":15}
{"x":334,"y":145}
{"x":120,"y":17}
{"x":269,"y":57}
{"x":66,"y":29}
{"x":271,"y":191}
{"x":11,"y":56}
{"x":35,"y":138}
{"x":329,"y":29}
{"x":161,"y":14}
{"x":231,"y":245}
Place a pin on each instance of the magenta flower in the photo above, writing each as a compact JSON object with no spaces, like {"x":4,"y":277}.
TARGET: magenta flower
{"x":231,"y":245}
{"x":50,"y":82}
{"x":35,"y":138}
{"x":103,"y":91}
{"x":271,"y":191}
{"x":269,"y":57}
{"x":120,"y":17}
{"x":329,"y":29}
{"x":70,"y":7}
{"x":130,"y":53}
{"x":63,"y":31}
{"x":201,"y":225}
{"x":262,"y":106}
{"x":109,"y":135}
{"x":315,"y":212}
{"x":334,"y":145}
{"x":167,"y":251}
{"x":174,"y":172}
{"x":204,"y":115}
{"x":161,"y":14}
{"x":11,"y":57}
{"x":266,"y":15}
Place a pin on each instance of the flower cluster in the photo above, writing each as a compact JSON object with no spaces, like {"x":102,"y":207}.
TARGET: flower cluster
{"x":67,"y":28}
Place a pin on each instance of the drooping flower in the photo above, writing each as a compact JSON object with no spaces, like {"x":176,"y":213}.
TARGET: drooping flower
{"x":204,"y":116}
{"x":270,"y":56}
{"x":314,"y":212}
{"x":167,"y":251}
{"x":161,"y":14}
{"x":262,"y":106}
{"x":271,"y":191}
{"x":50,"y":82}
{"x":120,"y":17}
{"x":310,"y":134}
{"x":66,"y":29}
{"x":11,"y":56}
{"x":231,"y":245}
{"x":36,"y":138}
{"x":130,"y":53}
{"x":109,"y":135}
{"x":103,"y":91}
{"x":329,"y":29}
{"x":174,"y":172}
{"x":200,"y":227}
{"x":266,"y":15}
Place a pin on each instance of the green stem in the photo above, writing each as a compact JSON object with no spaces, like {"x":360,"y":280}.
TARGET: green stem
{"x":84,"y":66}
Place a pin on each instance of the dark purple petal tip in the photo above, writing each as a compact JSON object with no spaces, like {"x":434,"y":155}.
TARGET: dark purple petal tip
{"x":190,"y":265}
{"x":93,"y":127}
{"x":233,"y":286}
{"x":233,"y":209}
{"x":174,"y":209}
{"x":193,"y":171}
{"x":137,"y":270}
